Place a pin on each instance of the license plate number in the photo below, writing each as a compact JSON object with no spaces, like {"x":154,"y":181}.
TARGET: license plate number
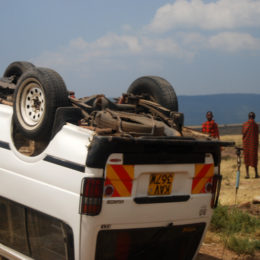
{"x":160,"y":184}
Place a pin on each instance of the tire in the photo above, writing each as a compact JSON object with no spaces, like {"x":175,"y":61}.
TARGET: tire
{"x":16,"y":69}
{"x":158,"y":89}
{"x":39,"y":92}
{"x":61,"y":89}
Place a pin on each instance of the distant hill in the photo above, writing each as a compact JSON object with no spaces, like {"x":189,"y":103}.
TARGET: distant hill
{"x":227,"y":108}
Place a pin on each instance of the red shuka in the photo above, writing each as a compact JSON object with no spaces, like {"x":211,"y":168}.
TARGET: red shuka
{"x":211,"y":128}
{"x":250,"y":133}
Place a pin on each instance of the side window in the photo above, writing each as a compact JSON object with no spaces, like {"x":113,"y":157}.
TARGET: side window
{"x":49,"y":238}
{"x":33,"y":233}
{"x":12,"y":226}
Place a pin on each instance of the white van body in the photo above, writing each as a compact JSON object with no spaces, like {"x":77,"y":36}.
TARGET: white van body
{"x":55,"y":189}
{"x":95,"y":179}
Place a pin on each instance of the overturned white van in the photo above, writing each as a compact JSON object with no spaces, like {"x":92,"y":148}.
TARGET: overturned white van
{"x":92,"y":178}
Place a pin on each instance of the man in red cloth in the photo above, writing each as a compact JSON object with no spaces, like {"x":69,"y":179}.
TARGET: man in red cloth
{"x":250,"y":134}
{"x":210,"y":126}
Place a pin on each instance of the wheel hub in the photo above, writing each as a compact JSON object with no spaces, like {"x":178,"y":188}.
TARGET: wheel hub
{"x":33,"y":106}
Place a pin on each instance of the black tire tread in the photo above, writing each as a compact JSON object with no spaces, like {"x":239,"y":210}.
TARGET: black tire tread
{"x":59,"y":85}
{"x":17,"y":68}
{"x":160,"y":89}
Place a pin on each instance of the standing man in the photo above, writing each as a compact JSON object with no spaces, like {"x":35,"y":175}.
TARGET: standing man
{"x":250,"y":134}
{"x":210,"y":126}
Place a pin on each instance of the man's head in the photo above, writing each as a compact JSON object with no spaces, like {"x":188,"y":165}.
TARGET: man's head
{"x":251,"y":115}
{"x":209,"y":115}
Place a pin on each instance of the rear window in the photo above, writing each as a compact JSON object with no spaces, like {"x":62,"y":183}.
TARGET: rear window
{"x":171,"y":242}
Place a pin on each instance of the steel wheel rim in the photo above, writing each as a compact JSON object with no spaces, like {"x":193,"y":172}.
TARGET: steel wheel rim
{"x":32,"y":105}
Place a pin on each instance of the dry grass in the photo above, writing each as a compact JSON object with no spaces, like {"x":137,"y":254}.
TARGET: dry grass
{"x":248,"y":188}
{"x":213,"y":246}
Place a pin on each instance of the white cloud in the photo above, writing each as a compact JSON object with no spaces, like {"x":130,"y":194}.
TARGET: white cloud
{"x":79,"y":44}
{"x":147,"y":50}
{"x":127,"y":27}
{"x":164,"y":46}
{"x":221,"y":14}
{"x":187,"y":29}
{"x":78,"y":51}
{"x":127,"y":43}
{"x":224,"y":41}
{"x":193,"y":40}
{"x":234,"y":42}
{"x":113,"y":51}
{"x":110,"y":49}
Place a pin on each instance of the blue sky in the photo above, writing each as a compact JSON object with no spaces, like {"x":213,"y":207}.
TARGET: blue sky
{"x":101,"y":46}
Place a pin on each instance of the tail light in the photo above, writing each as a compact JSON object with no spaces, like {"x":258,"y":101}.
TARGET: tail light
{"x":91,"y":196}
{"x":216,"y":183}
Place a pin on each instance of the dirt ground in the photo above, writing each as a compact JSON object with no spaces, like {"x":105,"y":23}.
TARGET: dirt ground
{"x":243,"y":197}
{"x":218,"y":251}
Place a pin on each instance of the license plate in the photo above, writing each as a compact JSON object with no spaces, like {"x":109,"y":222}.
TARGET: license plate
{"x":160,"y":184}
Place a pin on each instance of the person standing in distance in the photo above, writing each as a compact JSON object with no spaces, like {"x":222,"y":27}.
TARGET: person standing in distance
{"x":250,"y":132}
{"x":210,"y":126}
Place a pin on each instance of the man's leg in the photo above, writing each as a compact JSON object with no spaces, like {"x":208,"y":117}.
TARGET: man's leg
{"x":256,"y":173}
{"x":247,"y":171}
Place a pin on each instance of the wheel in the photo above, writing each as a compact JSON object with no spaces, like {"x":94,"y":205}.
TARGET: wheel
{"x":16,"y":69}
{"x":38,"y":94}
{"x":157,"y":89}
{"x":61,"y":89}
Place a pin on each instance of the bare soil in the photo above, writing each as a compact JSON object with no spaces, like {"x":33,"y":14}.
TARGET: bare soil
{"x":217,"y":251}
{"x":213,"y":248}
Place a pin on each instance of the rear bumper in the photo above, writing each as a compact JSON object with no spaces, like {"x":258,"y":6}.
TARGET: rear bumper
{"x":164,"y":150}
